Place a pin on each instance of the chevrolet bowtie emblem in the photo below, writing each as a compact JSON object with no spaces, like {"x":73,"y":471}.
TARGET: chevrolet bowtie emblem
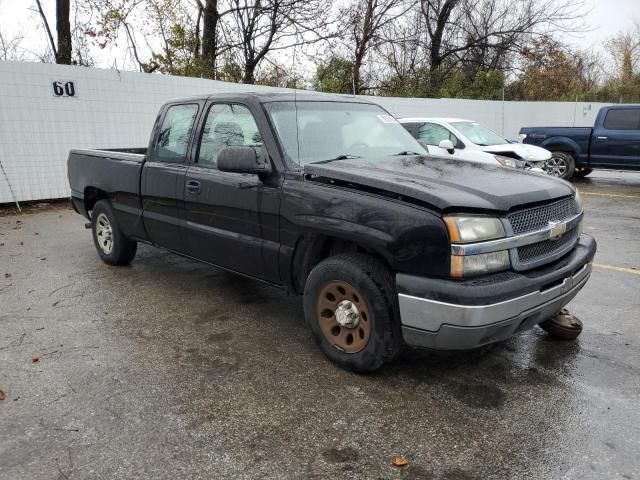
{"x":557,"y":229}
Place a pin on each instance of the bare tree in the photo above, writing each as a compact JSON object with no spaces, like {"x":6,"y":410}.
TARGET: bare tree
{"x":364,"y":22}
{"x":62,"y":49}
{"x":624,"y":49}
{"x":10,"y":47}
{"x":63,"y":29}
{"x":45,"y":22}
{"x":210,"y":22}
{"x":113,"y":19}
{"x":476,"y":30}
{"x":260,"y":27}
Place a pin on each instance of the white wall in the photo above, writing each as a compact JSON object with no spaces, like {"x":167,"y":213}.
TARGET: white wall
{"x":114,"y":109}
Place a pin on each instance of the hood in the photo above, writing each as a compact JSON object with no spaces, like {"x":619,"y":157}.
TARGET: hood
{"x":443,"y":183}
{"x":529,"y":153}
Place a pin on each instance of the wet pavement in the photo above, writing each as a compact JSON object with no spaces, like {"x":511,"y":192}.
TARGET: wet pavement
{"x":173,"y":369}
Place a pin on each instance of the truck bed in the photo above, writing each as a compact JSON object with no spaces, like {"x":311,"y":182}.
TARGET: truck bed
{"x":115,"y":172}
{"x":562,"y":131}
{"x":578,"y":139}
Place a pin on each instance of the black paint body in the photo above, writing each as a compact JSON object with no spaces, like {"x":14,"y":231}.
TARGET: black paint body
{"x":273,"y":227}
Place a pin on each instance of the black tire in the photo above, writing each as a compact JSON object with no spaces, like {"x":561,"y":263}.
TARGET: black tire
{"x":582,"y":172}
{"x":563,"y":326}
{"x":561,"y":165}
{"x":121,"y":250}
{"x":376,"y":287}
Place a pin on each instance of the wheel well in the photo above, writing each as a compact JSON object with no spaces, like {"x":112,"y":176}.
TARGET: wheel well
{"x":312,"y":249}
{"x":91,"y":196}
{"x":561,"y":148}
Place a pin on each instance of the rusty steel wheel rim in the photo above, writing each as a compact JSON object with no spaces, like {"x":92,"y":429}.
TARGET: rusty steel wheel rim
{"x":343,"y":316}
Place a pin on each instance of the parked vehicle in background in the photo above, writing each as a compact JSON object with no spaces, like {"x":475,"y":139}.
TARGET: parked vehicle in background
{"x":468,"y":140}
{"x":330,"y":198}
{"x":612,"y":143}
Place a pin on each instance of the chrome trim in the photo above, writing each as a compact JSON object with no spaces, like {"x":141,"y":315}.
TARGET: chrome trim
{"x":430,"y":315}
{"x":110,"y":155}
{"x":516,"y":241}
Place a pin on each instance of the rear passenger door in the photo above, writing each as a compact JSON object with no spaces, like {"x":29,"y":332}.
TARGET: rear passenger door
{"x":616,"y":144}
{"x":231,"y":218}
{"x":162,"y":182}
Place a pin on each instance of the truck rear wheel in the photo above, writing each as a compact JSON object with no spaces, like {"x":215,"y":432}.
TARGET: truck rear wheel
{"x":351,"y":307}
{"x":112,"y":246}
{"x":561,"y":165}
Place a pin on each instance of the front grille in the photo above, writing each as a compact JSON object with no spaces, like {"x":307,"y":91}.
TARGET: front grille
{"x":535,"y":252}
{"x":537,"y":218}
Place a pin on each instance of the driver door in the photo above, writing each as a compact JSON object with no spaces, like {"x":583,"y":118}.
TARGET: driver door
{"x":231,"y":218}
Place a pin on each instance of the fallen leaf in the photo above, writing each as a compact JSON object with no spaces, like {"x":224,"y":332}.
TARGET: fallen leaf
{"x":35,"y":358}
{"x":399,"y":461}
{"x":2,"y":395}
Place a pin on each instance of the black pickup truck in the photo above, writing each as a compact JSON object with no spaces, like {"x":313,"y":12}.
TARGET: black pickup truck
{"x":330,"y":197}
{"x":612,"y":143}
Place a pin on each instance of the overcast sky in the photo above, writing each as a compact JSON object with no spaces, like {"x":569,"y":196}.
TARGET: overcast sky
{"x":605,"y":18}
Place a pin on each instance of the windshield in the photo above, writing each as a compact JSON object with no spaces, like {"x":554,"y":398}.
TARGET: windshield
{"x":318,"y":131}
{"x":478,"y":134}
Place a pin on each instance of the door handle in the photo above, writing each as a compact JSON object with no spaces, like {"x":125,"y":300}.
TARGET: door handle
{"x":193,"y":187}
{"x":602,"y":138}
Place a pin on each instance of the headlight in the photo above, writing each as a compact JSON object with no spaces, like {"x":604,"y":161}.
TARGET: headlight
{"x":466,"y":229}
{"x":578,"y":199}
{"x":472,"y":265}
{"x":521,"y":137}
{"x":506,"y":161}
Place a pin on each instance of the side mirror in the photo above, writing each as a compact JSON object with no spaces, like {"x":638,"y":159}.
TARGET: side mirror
{"x":241,"y":160}
{"x":447,"y":145}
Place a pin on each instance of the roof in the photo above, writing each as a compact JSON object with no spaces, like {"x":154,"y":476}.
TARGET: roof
{"x":433,"y":119}
{"x":281,"y":96}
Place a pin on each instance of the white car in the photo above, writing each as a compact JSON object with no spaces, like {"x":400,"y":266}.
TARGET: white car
{"x":468,"y":140}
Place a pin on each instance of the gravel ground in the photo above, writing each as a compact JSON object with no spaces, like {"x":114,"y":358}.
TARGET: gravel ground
{"x":173,"y":369}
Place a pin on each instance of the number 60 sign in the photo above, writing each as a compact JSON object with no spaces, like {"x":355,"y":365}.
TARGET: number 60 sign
{"x":64,"y":89}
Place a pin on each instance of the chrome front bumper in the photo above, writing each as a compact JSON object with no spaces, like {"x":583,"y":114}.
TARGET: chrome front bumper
{"x":439,"y":325}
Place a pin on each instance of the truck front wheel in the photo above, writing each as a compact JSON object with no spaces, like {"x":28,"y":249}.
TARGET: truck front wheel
{"x":351,"y":307}
{"x":582,"y":172}
{"x":112,"y":246}
{"x":561,"y":165}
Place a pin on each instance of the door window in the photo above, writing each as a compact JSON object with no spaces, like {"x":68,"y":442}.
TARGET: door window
{"x":227,"y":126}
{"x":175,"y":132}
{"x":433,"y":134}
{"x":623,"y":119}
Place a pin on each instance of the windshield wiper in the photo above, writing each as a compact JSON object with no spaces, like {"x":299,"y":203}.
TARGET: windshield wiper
{"x":406,"y":152}
{"x":344,"y":156}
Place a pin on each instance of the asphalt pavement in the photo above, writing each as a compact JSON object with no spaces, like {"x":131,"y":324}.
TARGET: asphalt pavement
{"x":173,"y":369}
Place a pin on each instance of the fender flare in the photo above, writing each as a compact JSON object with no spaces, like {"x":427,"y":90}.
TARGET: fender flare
{"x":561,"y":144}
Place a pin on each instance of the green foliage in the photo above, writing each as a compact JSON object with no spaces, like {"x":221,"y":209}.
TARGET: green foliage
{"x":486,"y":85}
{"x":334,"y":75}
{"x":178,"y":56}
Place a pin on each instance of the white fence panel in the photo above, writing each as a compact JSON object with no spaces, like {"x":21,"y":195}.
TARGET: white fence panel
{"x":112,"y":109}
